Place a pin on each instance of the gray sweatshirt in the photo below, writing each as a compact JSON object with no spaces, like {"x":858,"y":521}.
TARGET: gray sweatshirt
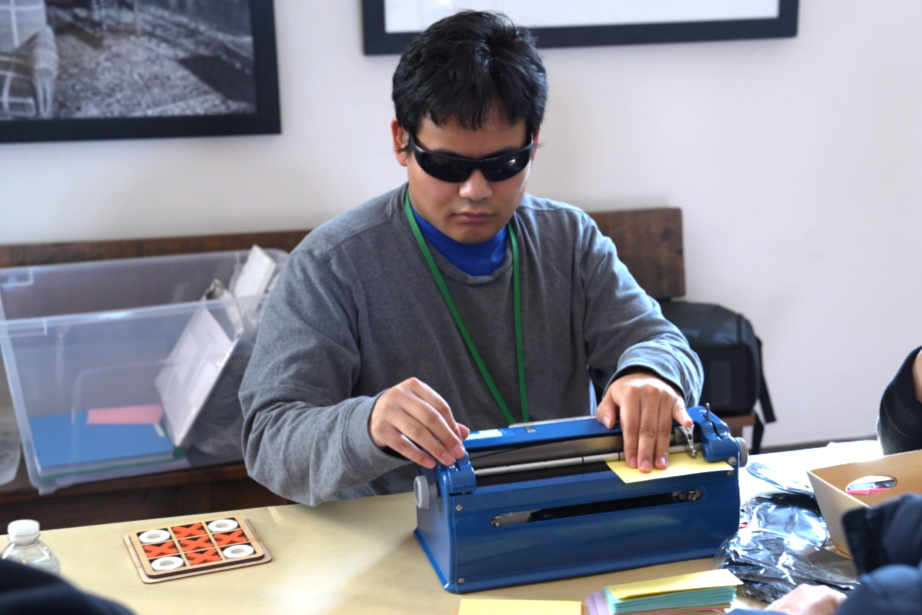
{"x":356,"y":311}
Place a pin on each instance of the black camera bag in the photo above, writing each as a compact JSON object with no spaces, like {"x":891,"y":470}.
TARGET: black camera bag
{"x":732,"y":358}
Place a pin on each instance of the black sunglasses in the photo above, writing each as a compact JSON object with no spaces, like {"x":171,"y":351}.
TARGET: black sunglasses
{"x":456,"y":169}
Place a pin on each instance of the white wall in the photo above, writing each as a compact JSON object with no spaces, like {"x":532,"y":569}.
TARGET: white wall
{"x":796,"y":163}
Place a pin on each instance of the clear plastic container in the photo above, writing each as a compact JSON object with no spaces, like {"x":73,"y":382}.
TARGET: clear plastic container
{"x":111,"y":342}
{"x":9,"y":445}
{"x":26,"y":548}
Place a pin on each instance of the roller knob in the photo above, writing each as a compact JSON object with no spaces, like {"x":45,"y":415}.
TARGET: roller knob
{"x":421,"y":492}
{"x":744,"y":452}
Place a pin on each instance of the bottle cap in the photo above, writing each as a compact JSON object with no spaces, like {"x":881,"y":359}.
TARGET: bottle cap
{"x":23,"y":531}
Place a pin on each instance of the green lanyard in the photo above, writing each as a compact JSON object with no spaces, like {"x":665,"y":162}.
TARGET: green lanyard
{"x":517,"y":310}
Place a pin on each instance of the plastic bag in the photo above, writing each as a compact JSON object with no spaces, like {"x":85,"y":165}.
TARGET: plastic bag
{"x":779,"y":479}
{"x":780,"y":545}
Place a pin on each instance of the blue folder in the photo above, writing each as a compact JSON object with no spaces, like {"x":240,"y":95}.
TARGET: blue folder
{"x":64,"y":443}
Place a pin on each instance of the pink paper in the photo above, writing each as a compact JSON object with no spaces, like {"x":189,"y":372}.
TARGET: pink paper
{"x":126,"y":415}
{"x":689,"y":611}
{"x":597,"y":603}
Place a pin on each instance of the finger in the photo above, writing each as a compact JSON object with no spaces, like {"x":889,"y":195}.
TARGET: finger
{"x":420,"y":432}
{"x":648,"y":411}
{"x":629,"y":417}
{"x":397,"y":442}
{"x":400,"y":408}
{"x":435,"y":401}
{"x":431,"y":426}
{"x":606,"y":412}
{"x":680,"y":414}
{"x":663,"y":431}
{"x":465,"y":431}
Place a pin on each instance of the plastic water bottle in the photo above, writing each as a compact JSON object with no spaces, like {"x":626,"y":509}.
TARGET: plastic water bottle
{"x":26,"y":548}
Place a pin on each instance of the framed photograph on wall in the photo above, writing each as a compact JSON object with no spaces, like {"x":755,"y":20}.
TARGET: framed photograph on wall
{"x":131,"y":69}
{"x":390,"y":24}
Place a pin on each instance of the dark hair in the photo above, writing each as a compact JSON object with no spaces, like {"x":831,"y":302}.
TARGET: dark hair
{"x":463,"y":65}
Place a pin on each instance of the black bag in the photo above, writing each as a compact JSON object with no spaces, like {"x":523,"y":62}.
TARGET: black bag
{"x":732,"y":358}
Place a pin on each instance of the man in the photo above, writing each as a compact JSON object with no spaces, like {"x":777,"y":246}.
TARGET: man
{"x":900,"y":424}
{"x":457,"y":301}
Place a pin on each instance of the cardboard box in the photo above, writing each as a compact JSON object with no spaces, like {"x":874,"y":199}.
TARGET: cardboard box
{"x":830,"y":485}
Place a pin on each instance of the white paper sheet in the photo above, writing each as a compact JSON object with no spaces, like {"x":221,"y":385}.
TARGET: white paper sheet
{"x":417,"y":15}
{"x":191,"y":371}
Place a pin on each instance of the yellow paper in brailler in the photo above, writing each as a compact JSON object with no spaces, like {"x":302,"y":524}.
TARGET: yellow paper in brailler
{"x":683,"y":582}
{"x":680,"y":464}
{"x":472,"y":606}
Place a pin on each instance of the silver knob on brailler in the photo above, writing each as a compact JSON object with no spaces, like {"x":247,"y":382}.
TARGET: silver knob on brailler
{"x":422,"y":492}
{"x":689,"y":433}
{"x":744,"y":452}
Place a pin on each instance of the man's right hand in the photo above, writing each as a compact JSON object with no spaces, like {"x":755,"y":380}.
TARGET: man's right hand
{"x":414,"y":420}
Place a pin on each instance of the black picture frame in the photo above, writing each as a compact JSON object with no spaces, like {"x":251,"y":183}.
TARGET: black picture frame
{"x":266,"y":119}
{"x":379,"y":42}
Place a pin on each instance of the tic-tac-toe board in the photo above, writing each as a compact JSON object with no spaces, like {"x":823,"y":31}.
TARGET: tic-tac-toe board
{"x":173,"y":552}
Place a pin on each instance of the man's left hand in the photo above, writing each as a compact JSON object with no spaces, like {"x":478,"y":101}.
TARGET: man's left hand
{"x":645,"y":405}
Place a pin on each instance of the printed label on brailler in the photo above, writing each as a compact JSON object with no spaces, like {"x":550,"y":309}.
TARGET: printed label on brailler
{"x":487,"y":433}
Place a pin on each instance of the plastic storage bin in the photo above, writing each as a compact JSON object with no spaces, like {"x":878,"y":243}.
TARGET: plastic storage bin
{"x":118,"y":368}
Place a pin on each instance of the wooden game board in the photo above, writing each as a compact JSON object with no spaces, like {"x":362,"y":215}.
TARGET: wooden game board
{"x":210,"y":545}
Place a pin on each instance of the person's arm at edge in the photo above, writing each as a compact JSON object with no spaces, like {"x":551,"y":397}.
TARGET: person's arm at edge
{"x":900,"y":422}
{"x":917,"y":375}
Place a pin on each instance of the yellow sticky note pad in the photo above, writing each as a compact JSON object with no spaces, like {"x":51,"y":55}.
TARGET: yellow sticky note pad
{"x":519,"y":607}
{"x":680,"y":464}
{"x":682,"y":582}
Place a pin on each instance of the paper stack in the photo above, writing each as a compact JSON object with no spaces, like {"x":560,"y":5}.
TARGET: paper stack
{"x":701,"y":592}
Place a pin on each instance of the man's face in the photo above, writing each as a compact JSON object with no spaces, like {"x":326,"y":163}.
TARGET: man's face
{"x":474,"y":210}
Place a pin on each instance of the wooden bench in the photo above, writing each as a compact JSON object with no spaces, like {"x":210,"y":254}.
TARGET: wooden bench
{"x":649,"y":241}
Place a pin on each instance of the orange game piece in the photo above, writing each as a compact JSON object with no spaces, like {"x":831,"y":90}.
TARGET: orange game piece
{"x":203,"y":557}
{"x":185,"y":531}
{"x":230,"y":539}
{"x":166,"y":548}
{"x":192,"y":544}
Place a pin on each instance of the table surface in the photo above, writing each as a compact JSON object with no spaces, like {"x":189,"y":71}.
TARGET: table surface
{"x":353,"y":556}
